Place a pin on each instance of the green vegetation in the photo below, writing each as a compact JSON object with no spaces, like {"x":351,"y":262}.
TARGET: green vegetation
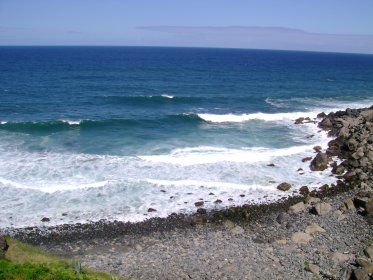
{"x":23,"y":261}
{"x":306,"y":264}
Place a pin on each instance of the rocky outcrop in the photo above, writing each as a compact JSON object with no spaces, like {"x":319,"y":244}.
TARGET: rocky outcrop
{"x":353,"y":144}
{"x":353,"y":129}
{"x":320,"y":162}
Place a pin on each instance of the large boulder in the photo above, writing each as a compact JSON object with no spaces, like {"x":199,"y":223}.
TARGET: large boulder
{"x":322,"y":208}
{"x":284,"y":187}
{"x":296,"y":208}
{"x":320,"y":162}
{"x":326,"y":124}
{"x":301,"y":237}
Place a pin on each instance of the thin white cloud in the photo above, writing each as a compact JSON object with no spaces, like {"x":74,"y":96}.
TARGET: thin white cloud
{"x":267,"y":38}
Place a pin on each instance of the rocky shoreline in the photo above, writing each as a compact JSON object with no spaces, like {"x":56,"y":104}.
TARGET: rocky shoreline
{"x":319,"y":234}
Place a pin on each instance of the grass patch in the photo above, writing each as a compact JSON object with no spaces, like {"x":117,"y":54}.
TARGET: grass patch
{"x":23,"y":261}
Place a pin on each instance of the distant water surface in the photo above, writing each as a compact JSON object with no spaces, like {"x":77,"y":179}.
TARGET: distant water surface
{"x":107,"y":132}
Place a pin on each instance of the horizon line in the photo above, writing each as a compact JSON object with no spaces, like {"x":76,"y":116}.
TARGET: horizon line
{"x":185,"y":47}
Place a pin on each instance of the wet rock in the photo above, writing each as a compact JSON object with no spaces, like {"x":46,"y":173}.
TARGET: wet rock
{"x":326,"y":124}
{"x":306,"y":159}
{"x":271,"y":165}
{"x":199,"y":203}
{"x":45,"y":219}
{"x":320,"y":162}
{"x":218,"y":201}
{"x":201,"y":211}
{"x":321,"y":115}
{"x":284,"y":187}
{"x":299,"y":120}
{"x":301,"y":237}
{"x":151,"y":210}
{"x":317,"y":149}
{"x":3,"y":247}
{"x":304,"y":190}
{"x":324,"y":187}
{"x":338,"y":170}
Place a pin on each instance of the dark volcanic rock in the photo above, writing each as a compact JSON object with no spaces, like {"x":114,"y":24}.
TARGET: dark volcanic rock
{"x":284,"y":187}
{"x":306,"y":159}
{"x":304,"y":190}
{"x":45,"y":219}
{"x":320,"y":162}
{"x":152,"y":210}
{"x":324,"y":187}
{"x":201,"y":211}
{"x":325,"y":124}
{"x":317,"y":149}
{"x":338,"y":170}
{"x":199,"y":203}
{"x":321,"y":115}
{"x":299,"y":120}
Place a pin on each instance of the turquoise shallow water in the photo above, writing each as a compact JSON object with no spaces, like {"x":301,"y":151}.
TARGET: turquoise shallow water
{"x":98,"y":132}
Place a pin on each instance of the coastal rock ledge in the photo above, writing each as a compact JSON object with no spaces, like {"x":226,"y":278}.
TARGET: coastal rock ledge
{"x":353,"y":144}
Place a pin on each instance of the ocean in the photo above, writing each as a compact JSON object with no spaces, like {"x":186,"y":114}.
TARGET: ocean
{"x":90,"y":133}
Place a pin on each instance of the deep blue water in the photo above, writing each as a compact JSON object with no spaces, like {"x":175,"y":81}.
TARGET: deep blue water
{"x":78,"y":121}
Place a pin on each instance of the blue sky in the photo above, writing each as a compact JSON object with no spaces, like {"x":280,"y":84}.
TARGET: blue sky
{"x":321,"y":25}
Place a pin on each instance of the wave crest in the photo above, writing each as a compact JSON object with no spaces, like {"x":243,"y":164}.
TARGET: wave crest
{"x":255,"y":116}
{"x":208,"y":155}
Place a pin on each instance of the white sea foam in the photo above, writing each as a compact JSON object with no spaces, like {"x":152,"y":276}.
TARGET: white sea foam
{"x":72,"y":122}
{"x":318,"y":105}
{"x":274,"y":102}
{"x":91,"y":187}
{"x":219,"y":185}
{"x":208,"y":155}
{"x":3,"y":122}
{"x":167,"y":96}
{"x":51,"y":188}
{"x":255,"y":116}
